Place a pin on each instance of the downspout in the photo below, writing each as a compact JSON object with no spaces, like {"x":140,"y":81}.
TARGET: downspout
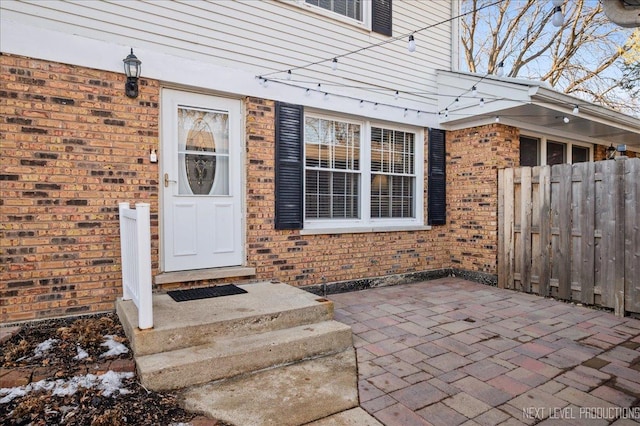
{"x":618,"y":14}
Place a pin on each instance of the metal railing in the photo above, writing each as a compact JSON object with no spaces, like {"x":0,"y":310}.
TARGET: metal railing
{"x":135,"y":245}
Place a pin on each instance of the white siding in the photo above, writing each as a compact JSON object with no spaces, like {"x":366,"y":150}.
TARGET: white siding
{"x":263,"y":36}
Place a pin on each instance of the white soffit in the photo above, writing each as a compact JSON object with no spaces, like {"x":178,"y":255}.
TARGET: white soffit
{"x":529,"y":105}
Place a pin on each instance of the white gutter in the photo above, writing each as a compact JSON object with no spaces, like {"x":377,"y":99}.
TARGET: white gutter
{"x":619,"y":14}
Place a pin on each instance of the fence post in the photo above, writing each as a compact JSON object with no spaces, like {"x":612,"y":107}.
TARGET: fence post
{"x":124,"y":249}
{"x":143,"y":232}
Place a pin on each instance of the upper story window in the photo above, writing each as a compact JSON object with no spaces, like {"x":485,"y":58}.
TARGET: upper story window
{"x":349,"y":8}
{"x":536,"y":151}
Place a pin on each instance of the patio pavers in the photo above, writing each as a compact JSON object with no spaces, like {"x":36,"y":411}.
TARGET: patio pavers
{"x":450,"y":351}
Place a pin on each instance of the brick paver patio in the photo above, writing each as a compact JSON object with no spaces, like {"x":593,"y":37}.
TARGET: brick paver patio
{"x":451,"y":352}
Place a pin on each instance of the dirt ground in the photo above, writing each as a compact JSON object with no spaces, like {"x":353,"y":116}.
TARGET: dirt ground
{"x":58,"y":356}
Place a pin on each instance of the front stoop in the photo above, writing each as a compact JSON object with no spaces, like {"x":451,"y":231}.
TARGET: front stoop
{"x":271,"y":356}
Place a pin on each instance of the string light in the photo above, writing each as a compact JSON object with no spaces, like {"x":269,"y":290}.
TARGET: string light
{"x":481,"y":102}
{"x":565,"y":119}
{"x":334,"y":64}
{"x":457,"y":101}
{"x":558,"y":18}
{"x":576,"y":110}
{"x":418,"y":114}
{"x":375,"y":106}
{"x":497,"y":118}
{"x":406,"y":111}
{"x":412,"y":44}
{"x":474,"y":91}
{"x":361,"y":104}
{"x":500,"y":71}
{"x":307,"y":93}
{"x":326,"y":96}
{"x":265,"y":82}
{"x":446,"y":113}
{"x":396,"y":95}
{"x":289,"y":75}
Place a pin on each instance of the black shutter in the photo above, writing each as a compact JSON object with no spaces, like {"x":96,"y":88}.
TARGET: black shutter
{"x":381,"y":17}
{"x":289,"y":166}
{"x":437,"y":203}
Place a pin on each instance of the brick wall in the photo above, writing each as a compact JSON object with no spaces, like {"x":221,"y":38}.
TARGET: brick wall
{"x":73,"y":146}
{"x":474,"y":157}
{"x":600,"y":153}
{"x":312,"y":259}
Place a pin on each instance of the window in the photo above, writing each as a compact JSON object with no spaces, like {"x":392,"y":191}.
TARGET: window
{"x":337,"y":174}
{"x":529,"y":148}
{"x":332,"y":169}
{"x":556,"y":153}
{"x":349,"y":8}
{"x":392,"y":173}
{"x":535,"y":151}
{"x":375,"y":15}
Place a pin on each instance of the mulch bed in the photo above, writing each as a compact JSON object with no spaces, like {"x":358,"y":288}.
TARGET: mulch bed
{"x":132,"y":404}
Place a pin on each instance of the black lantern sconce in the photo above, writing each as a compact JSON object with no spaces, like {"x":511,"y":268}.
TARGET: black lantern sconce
{"x":132,"y":71}
{"x":611,"y":152}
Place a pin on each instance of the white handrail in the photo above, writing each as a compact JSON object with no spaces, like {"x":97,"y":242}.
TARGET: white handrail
{"x":135,"y":245}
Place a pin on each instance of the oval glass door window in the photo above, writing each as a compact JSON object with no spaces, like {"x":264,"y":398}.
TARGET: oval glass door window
{"x":203,"y":150}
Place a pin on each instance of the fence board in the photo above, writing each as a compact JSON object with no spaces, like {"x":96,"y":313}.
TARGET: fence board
{"x":508,"y":227}
{"x":586,"y":224}
{"x":632,"y":236}
{"x":605,"y":226}
{"x":544,"y":195}
{"x":502,"y":265}
{"x":562,"y":250}
{"x":619,"y":238}
{"x":525,"y":229}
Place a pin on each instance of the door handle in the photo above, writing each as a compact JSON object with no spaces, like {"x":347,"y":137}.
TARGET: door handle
{"x":167,"y":180}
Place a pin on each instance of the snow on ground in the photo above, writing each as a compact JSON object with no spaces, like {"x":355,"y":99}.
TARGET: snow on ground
{"x":82,"y":354}
{"x":109,"y":383}
{"x":115,"y":348}
{"x":44,"y":347}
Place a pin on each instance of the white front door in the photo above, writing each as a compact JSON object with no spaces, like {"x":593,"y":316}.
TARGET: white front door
{"x":200,"y":181}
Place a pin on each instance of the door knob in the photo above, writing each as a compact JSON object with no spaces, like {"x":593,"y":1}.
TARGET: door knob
{"x":167,"y":180}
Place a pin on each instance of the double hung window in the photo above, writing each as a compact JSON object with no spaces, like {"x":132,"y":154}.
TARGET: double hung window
{"x":360,"y":174}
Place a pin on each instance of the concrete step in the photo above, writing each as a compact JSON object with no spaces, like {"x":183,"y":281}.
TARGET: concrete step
{"x":178,"y":325}
{"x":234,"y":355}
{"x":291,"y":395}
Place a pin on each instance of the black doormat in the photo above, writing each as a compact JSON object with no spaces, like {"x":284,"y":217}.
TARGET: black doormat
{"x":205,"y":292}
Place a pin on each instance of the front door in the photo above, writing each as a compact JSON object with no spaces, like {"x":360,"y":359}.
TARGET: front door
{"x":200,"y":181}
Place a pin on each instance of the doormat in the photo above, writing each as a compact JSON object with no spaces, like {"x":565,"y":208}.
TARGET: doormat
{"x":205,"y":292}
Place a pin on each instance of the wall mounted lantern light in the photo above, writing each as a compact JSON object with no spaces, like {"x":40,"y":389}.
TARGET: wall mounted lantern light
{"x":132,"y":71}
{"x":611,"y":152}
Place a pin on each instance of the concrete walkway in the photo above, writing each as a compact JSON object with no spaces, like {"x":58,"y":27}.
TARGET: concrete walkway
{"x":450,"y":352}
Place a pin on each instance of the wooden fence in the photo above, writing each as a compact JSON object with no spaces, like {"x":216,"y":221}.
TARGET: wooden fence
{"x":572,"y":232}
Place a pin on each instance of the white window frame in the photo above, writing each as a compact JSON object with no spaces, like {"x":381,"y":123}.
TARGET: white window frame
{"x":568,"y":143}
{"x":365,"y":223}
{"x":366,"y":13}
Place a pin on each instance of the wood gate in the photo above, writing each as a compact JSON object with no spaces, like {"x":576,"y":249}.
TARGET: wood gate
{"x":572,"y":232}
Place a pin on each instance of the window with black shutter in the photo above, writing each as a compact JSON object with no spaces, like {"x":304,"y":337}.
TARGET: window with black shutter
{"x":437,"y":204}
{"x":381,"y":17}
{"x":289,"y":166}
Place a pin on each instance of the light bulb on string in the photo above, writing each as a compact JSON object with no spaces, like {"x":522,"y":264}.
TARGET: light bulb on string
{"x":576,"y":110}
{"x":457,"y":101}
{"x":289,"y":75}
{"x":412,"y":44}
{"x":558,"y":17}
{"x":497,"y":118}
{"x":481,"y":102}
{"x":474,"y":91}
{"x":375,"y":106}
{"x":334,"y":64}
{"x":326,"y":96}
{"x":406,"y":111}
{"x":418,"y":114}
{"x":361,"y":104}
{"x":265,"y":82}
{"x":446,"y":113}
{"x":307,"y":92}
{"x":500,"y":71}
{"x":396,"y":95}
